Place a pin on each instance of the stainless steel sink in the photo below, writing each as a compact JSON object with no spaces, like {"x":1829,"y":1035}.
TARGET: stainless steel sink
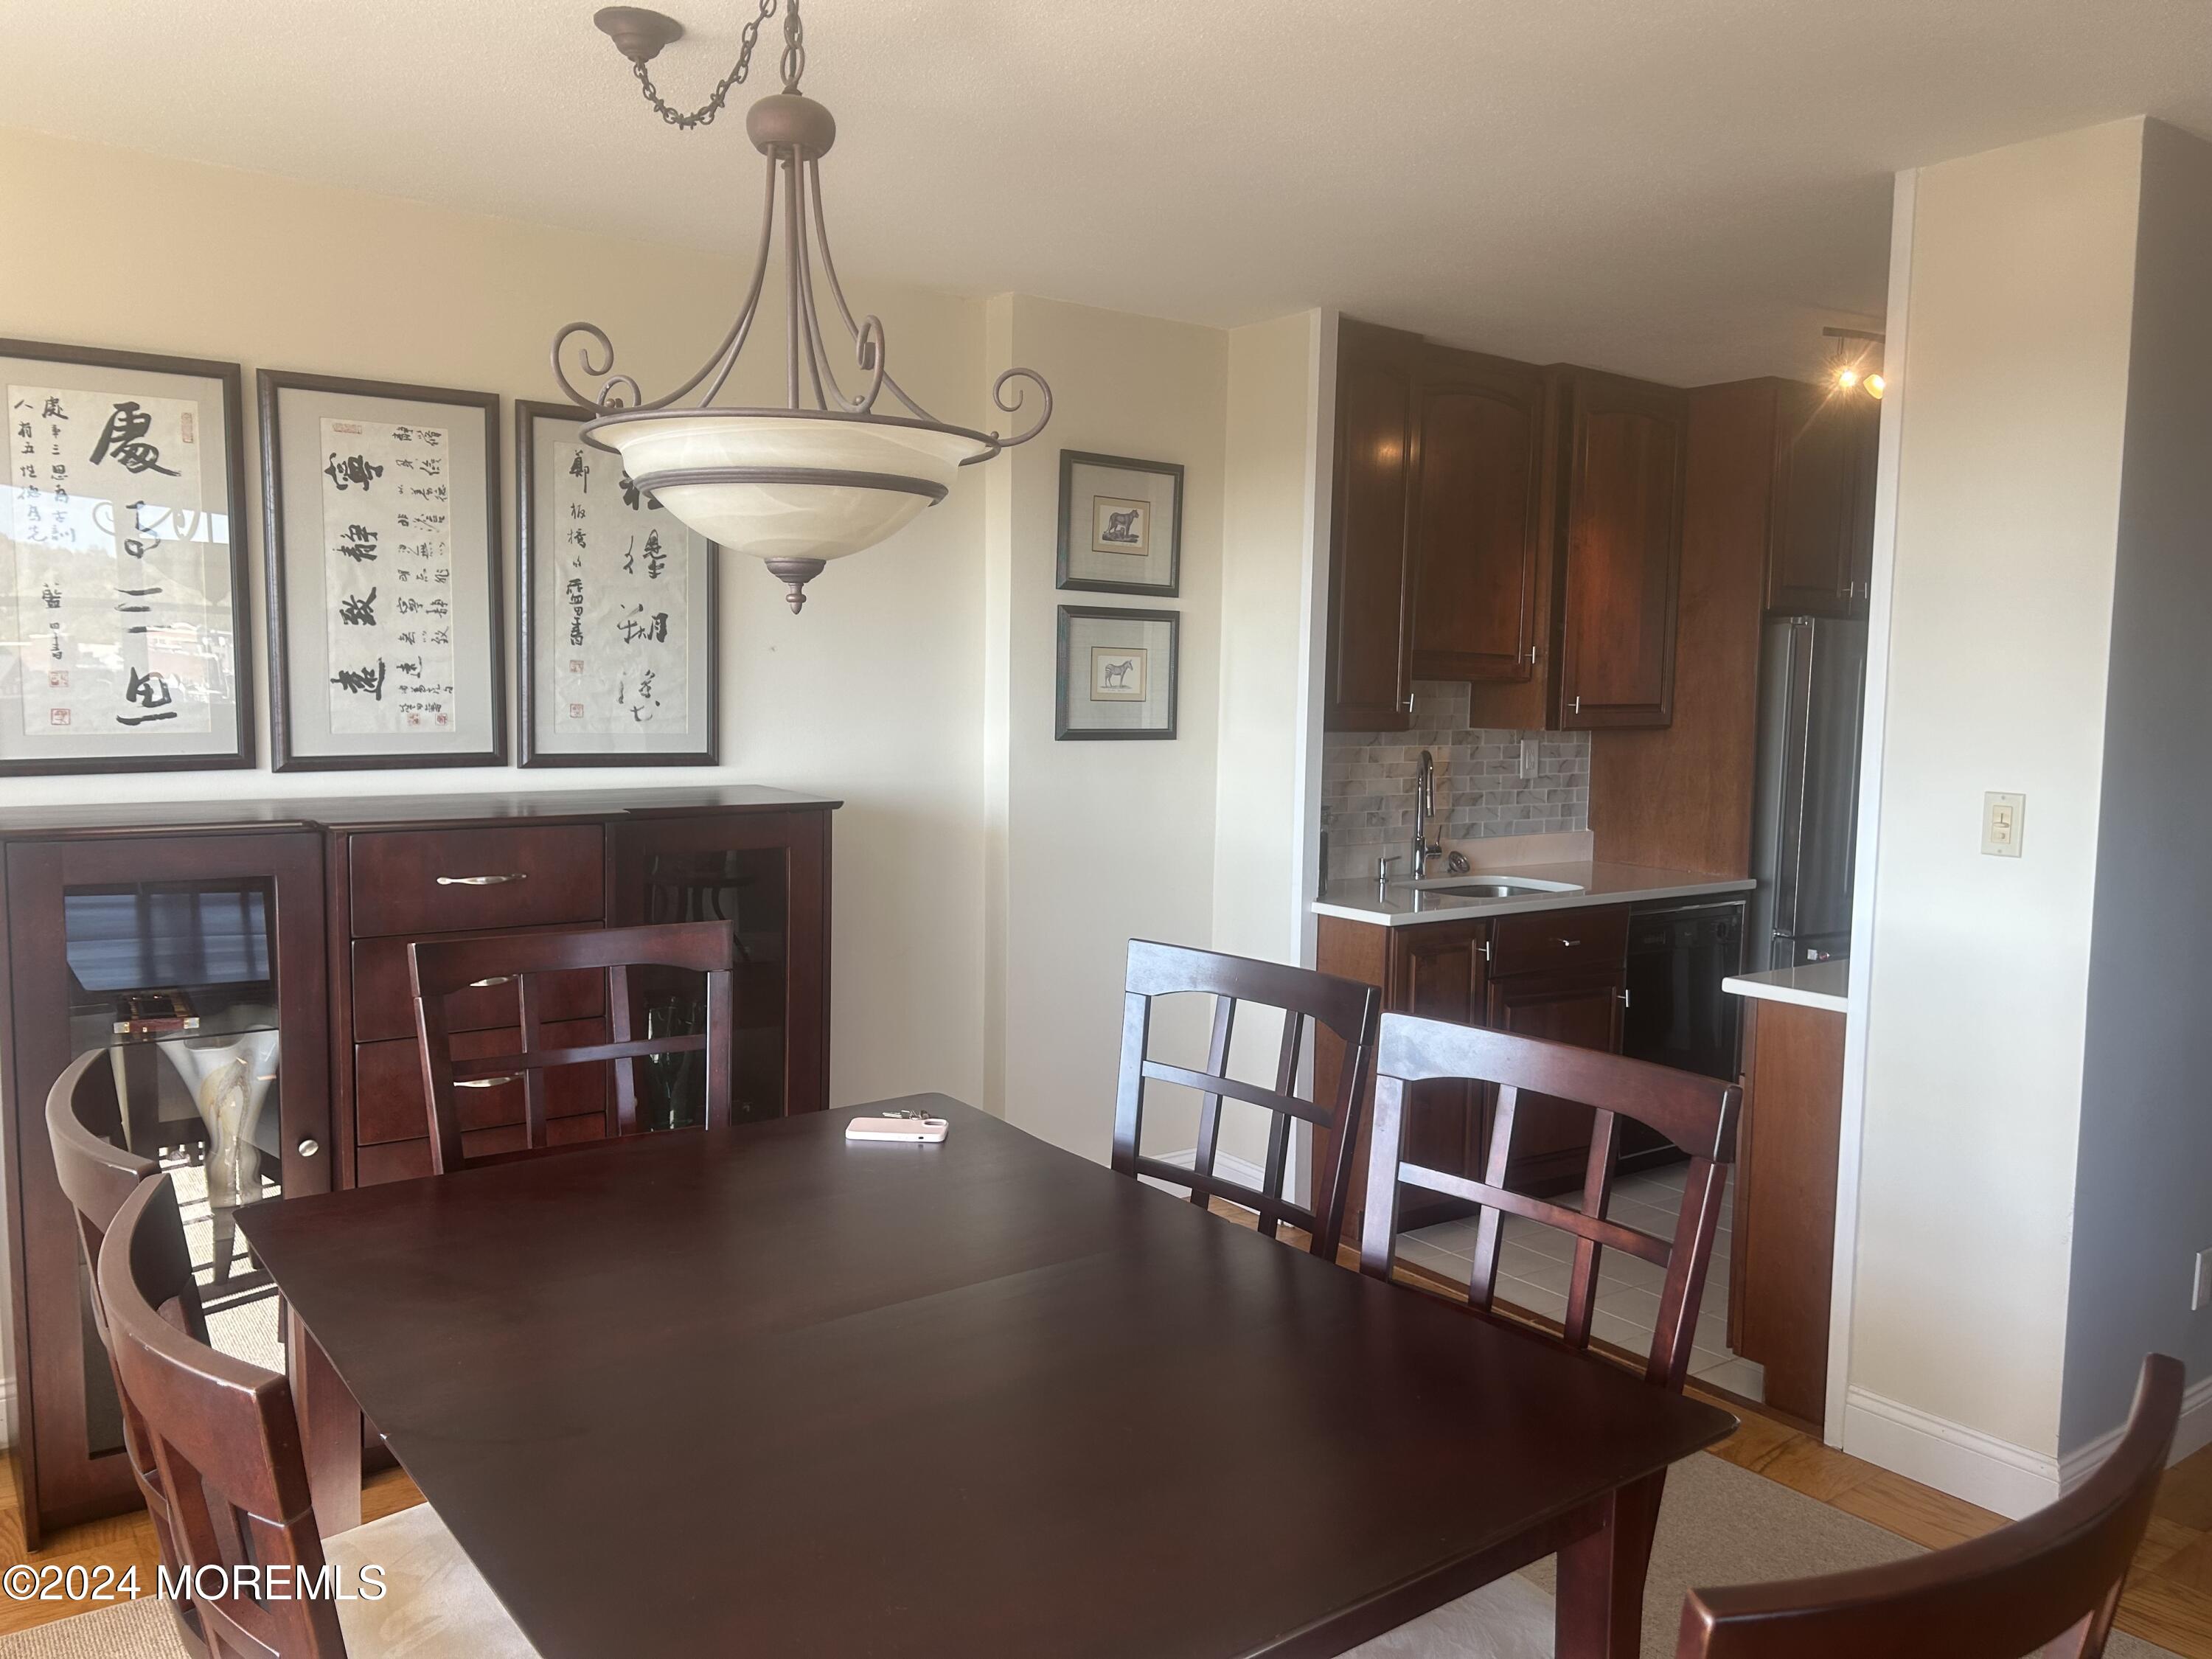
{"x":1496,"y":887}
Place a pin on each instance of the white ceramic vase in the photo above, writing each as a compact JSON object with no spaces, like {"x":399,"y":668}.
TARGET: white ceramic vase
{"x":229,"y":1078}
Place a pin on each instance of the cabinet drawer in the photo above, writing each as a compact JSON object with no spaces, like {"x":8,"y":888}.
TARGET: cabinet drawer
{"x":1535,"y":941}
{"x":459,"y":881}
{"x":384,"y":1003}
{"x":405,"y":1160}
{"x":388,"y":1103}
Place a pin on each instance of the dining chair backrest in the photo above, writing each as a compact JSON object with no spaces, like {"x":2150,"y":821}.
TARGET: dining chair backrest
{"x":2047,"y":1584}
{"x":97,"y":1174}
{"x":1697,"y":1114}
{"x":225,"y":1442}
{"x":1346,"y":1007}
{"x":462,"y":962}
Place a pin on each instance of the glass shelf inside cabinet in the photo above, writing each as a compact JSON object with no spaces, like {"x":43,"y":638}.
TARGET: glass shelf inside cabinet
{"x":176,"y":981}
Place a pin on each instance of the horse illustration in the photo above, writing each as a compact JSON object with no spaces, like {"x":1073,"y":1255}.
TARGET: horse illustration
{"x":1123,"y":527}
{"x":1116,"y":673}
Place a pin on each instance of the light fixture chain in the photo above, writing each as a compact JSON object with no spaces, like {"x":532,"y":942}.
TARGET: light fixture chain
{"x":706,"y":112}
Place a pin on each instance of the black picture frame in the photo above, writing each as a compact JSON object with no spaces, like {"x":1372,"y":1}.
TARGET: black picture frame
{"x":289,"y":754}
{"x":1063,"y":729}
{"x":230,"y":378}
{"x":1065,"y":578}
{"x":533,"y":753}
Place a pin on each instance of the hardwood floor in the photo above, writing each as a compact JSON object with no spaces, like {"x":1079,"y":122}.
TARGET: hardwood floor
{"x":2168,"y":1599}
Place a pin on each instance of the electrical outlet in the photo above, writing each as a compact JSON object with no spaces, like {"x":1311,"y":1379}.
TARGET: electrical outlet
{"x":2004,"y":821}
{"x":2200,"y":1294}
{"x":1528,"y":757}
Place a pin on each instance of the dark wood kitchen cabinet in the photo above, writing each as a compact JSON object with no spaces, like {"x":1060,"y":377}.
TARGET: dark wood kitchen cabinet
{"x":1481,"y":557}
{"x":1621,"y":543}
{"x":1515,"y":527}
{"x":1368,"y":673}
{"x":1821,"y":526}
{"x":1555,"y":974}
{"x":280,"y":929}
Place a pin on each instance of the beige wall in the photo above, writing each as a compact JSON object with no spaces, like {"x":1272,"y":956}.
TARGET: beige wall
{"x":1098,"y":841}
{"x":2008,"y":487}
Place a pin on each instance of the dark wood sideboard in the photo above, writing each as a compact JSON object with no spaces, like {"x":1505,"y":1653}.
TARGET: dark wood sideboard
{"x":284,"y":924}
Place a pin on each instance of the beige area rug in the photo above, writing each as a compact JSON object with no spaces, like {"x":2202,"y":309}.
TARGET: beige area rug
{"x":1720,"y":1525}
{"x":130,"y":1630}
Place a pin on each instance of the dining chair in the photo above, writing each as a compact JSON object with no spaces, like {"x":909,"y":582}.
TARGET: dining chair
{"x":1697,"y":1112}
{"x":84,"y":1127}
{"x":225,"y":1442}
{"x":462,"y":962}
{"x":1512,"y":1617}
{"x":1304,"y":997}
{"x":2048,"y":1584}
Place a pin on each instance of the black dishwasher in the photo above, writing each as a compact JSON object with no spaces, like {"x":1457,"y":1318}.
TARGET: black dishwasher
{"x":1677,"y":1013}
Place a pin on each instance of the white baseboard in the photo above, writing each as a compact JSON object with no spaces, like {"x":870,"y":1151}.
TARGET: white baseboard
{"x":1947,"y":1455}
{"x":1228,"y":1164}
{"x":2192,"y":1434}
{"x":1984,"y":1469}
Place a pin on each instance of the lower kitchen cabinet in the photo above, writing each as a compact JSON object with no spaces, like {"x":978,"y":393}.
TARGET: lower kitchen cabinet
{"x":1560,"y":974}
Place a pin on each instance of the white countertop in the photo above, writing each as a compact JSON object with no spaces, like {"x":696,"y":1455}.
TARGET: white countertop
{"x":1809,"y":984}
{"x":1402,"y":905}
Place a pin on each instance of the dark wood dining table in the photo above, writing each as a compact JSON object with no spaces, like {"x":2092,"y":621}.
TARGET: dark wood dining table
{"x":760,"y":1391}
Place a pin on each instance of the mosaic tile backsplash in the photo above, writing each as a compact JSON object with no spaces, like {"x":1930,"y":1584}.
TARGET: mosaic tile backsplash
{"x":1367,"y":779}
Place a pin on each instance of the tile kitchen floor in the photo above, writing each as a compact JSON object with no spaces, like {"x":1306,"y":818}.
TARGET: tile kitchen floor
{"x":1536,"y":1261}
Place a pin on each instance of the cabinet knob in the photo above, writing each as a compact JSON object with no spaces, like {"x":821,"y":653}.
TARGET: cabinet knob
{"x":308,"y":1146}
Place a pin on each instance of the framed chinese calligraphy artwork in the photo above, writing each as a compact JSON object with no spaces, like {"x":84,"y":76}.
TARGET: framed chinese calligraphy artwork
{"x":618,"y":609}
{"x":123,"y":615}
{"x":384,"y":580}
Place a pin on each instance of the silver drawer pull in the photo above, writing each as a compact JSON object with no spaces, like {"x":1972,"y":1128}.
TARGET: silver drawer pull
{"x":488,"y":1082}
{"x":496,"y":979}
{"x":1570,"y":943}
{"x":483,"y":881}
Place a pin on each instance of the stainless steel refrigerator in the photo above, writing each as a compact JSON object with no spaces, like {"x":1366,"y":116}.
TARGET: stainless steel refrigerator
{"x":1805,"y":806}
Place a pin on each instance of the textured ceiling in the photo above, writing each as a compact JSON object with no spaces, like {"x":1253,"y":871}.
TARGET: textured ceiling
{"x":1685,"y":189}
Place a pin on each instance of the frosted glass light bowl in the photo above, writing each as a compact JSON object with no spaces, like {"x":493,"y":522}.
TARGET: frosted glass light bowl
{"x":787,"y":487}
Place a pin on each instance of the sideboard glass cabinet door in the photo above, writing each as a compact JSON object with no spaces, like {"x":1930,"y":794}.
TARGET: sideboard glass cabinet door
{"x":196,"y":964}
{"x":766,"y":875}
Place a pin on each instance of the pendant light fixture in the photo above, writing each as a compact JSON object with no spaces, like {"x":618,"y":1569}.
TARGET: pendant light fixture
{"x":826,"y":474}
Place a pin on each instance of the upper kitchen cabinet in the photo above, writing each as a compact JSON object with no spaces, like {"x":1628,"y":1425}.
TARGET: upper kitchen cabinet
{"x":1369,"y":673}
{"x":1514,"y":527}
{"x":1478,"y":557}
{"x":1625,"y":444}
{"x":1821,"y":530}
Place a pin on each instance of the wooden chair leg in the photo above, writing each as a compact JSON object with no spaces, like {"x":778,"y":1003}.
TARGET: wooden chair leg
{"x":1601,"y":1586}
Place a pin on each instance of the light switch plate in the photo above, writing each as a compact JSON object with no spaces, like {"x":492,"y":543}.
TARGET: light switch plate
{"x":1528,"y":757}
{"x":2004,"y":819}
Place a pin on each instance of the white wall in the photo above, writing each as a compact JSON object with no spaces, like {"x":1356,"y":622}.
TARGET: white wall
{"x":2144,"y":1194}
{"x":1101,"y":841}
{"x":2007,"y":493}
